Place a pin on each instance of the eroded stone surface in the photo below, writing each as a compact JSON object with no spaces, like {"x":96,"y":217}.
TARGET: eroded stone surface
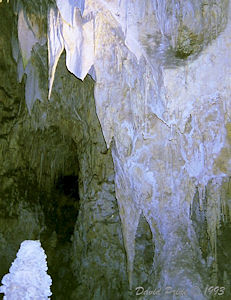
{"x":59,"y":137}
{"x":168,"y":125}
{"x":168,"y":130}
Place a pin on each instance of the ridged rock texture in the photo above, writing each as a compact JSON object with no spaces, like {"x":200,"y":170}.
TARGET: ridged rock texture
{"x":61,"y":139}
{"x":143,"y":122}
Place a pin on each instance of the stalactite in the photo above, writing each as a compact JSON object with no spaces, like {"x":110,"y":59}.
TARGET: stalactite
{"x":173,"y":107}
{"x":55,"y":44}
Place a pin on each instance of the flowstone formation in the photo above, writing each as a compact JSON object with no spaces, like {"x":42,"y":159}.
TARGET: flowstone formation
{"x":160,"y":74}
{"x":166,"y":118}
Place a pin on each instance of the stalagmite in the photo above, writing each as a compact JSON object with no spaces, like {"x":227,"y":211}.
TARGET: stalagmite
{"x":28,"y":277}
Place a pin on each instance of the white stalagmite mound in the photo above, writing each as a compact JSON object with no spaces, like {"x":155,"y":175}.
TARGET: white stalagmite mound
{"x":28,"y":278}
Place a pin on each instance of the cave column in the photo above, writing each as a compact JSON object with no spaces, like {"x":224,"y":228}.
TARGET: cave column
{"x":145,"y":184}
{"x":153,"y":119}
{"x":150,"y":176}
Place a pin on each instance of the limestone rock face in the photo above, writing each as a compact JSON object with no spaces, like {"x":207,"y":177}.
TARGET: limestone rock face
{"x":160,"y":148}
{"x":167,"y":127}
{"x":56,"y":139}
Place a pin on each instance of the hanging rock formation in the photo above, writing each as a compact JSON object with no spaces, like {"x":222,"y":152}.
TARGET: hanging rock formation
{"x":162,"y":94}
{"x":169,"y":126}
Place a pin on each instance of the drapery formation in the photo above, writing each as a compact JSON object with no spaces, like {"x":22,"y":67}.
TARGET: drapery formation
{"x":164,"y":110}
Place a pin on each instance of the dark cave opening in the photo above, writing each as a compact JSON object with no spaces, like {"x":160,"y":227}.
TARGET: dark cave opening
{"x":68,"y":185}
{"x":66,"y":206}
{"x":60,"y":206}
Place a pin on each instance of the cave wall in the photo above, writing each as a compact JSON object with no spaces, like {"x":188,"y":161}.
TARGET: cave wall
{"x":150,"y":133}
{"x":98,"y":253}
{"x":18,"y":219}
{"x":43,"y":141}
{"x":169,"y":120}
{"x":165,"y":113}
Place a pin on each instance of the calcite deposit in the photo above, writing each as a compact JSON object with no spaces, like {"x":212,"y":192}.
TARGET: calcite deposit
{"x":168,"y":125}
{"x":162,"y":92}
